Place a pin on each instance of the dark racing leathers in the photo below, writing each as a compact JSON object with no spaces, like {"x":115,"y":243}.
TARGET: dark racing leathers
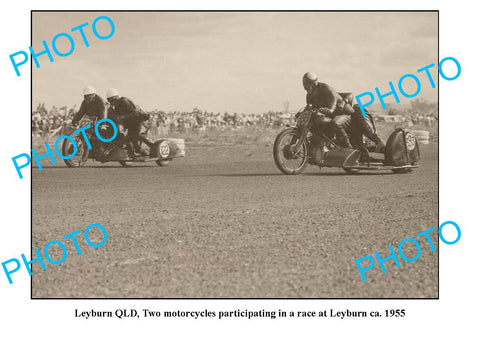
{"x":335,"y":112}
{"x":127,"y":115}
{"x":339,"y":116}
{"x":360,"y":127}
{"x":95,"y":109}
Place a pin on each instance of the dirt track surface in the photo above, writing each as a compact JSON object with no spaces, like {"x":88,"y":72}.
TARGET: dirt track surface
{"x":224,"y":222}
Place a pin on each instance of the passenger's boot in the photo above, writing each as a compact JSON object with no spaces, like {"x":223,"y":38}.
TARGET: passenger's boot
{"x":368,"y":132}
{"x":379,"y":144}
{"x":146,"y":140}
{"x":139,"y":150}
{"x":342,"y":139}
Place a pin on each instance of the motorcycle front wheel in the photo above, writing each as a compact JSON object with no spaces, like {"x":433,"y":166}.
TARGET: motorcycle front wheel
{"x":283,"y":152}
{"x":80,"y":157}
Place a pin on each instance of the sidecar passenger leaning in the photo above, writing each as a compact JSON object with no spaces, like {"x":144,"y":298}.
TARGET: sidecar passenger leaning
{"x":336,"y":114}
{"x":130,"y":117}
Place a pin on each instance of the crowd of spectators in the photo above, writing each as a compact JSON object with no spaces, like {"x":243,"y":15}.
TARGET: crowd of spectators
{"x":57,"y":120}
{"x":46,"y":122}
{"x":408,"y":120}
{"x":163,"y":123}
{"x":419,"y":118}
{"x":419,"y":112}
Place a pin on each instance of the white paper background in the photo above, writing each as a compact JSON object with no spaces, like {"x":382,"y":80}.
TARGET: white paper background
{"x":453,"y":315}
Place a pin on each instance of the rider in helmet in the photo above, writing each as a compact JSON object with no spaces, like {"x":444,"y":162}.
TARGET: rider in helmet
{"x":127,"y":114}
{"x":338,"y":114}
{"x":92,"y":105}
{"x":335,"y":113}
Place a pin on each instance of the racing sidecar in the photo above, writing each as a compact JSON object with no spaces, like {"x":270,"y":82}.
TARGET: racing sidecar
{"x":80,"y":147}
{"x":162,"y":152}
{"x":295,"y":147}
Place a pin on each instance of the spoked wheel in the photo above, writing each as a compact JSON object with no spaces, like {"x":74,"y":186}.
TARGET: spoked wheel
{"x":81,"y":154}
{"x":287,"y":161}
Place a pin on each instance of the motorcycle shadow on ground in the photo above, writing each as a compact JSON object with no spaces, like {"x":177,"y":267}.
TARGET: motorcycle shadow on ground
{"x":360,"y":173}
{"x":319,"y":174}
{"x":59,"y":167}
{"x":243,"y":175}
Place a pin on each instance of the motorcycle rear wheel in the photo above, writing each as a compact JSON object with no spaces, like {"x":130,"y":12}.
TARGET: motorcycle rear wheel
{"x":81,"y":155}
{"x":283,"y":146}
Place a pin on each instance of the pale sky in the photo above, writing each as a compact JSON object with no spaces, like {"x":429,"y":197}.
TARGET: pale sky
{"x":238,"y":62}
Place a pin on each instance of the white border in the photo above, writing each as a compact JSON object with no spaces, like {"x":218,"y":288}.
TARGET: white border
{"x":453,"y":315}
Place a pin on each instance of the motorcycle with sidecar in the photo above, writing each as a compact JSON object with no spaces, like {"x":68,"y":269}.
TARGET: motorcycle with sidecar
{"x":296,"y":146}
{"x":120,"y":149}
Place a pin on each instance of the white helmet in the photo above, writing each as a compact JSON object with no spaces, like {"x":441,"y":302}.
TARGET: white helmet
{"x":89,"y":89}
{"x":111,"y":92}
{"x":309,"y":78}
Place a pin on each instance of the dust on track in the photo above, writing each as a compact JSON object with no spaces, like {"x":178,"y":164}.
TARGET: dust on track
{"x":225,"y":223}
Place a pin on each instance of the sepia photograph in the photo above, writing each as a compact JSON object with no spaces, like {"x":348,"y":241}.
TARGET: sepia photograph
{"x":234,"y":154}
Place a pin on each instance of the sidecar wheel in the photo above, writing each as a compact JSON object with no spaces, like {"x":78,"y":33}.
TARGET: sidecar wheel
{"x":288,"y":163}
{"x":163,"y":162}
{"x":81,"y":156}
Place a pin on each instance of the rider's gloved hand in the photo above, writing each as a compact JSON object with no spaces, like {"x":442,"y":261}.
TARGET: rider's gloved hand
{"x":326,"y":111}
